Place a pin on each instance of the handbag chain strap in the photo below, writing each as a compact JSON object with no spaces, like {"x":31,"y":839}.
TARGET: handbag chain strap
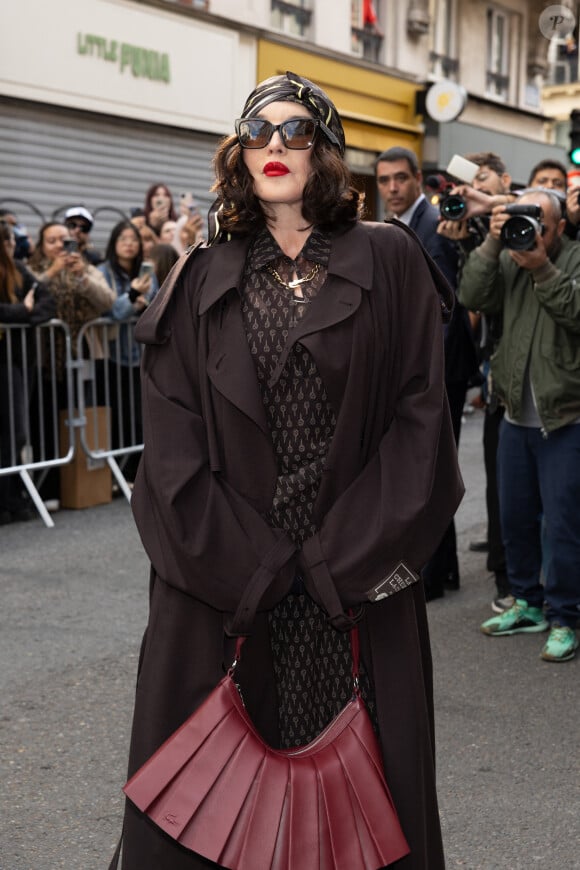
{"x":354,"y":646}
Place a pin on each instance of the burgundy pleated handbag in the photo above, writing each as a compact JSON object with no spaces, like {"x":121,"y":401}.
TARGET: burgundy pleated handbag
{"x":218,"y":789}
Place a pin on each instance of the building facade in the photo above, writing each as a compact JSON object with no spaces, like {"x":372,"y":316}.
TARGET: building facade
{"x":122,"y":94}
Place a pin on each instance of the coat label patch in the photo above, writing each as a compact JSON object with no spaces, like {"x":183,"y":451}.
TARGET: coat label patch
{"x":398,"y":579}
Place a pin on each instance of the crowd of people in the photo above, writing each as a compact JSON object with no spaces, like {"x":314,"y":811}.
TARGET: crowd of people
{"x":513,"y":258}
{"x":63,"y":275}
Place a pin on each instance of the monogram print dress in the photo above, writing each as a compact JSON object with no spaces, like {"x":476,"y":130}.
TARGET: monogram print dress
{"x":312,"y":661}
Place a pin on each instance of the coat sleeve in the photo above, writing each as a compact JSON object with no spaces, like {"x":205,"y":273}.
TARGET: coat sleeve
{"x":97,"y":290}
{"x":14,"y":312}
{"x":399,"y":506}
{"x":201,"y":536}
{"x":558,"y":291}
{"x":44,"y":304}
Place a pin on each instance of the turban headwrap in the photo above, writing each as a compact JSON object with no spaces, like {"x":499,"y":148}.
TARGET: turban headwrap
{"x":295,"y":89}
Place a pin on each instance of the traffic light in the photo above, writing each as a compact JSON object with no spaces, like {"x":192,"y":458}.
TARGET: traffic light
{"x":574,"y":152}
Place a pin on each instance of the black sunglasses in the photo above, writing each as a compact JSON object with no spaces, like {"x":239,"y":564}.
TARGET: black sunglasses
{"x":296,"y":133}
{"x":78,"y":225}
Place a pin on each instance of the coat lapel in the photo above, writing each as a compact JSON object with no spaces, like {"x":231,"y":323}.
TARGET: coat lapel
{"x":230,"y":365}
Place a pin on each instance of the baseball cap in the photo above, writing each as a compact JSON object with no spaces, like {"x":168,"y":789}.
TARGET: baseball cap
{"x":79,"y":211}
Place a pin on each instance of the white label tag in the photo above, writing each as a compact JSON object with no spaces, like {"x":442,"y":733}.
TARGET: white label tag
{"x":398,"y":579}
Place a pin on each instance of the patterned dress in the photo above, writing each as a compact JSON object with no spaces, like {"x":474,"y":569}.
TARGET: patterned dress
{"x":312,"y":661}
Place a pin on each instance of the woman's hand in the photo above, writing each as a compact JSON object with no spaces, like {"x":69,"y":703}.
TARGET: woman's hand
{"x":191,"y":230}
{"x":28,"y":300}
{"x":57,"y":265}
{"x":75,"y":264}
{"x":158,"y":216}
{"x":141,"y":285}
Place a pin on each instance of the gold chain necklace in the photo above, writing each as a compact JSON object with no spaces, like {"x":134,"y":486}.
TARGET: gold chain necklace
{"x":292,"y":285}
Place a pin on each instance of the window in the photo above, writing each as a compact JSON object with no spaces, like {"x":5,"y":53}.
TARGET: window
{"x":498,"y":38}
{"x":293,"y":18}
{"x":563,"y":59}
{"x":442,"y":55}
{"x":366,"y":32}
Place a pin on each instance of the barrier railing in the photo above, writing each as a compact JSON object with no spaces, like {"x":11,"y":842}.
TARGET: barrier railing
{"x":35,"y":382}
{"x":41,"y":380}
{"x":111,"y":382}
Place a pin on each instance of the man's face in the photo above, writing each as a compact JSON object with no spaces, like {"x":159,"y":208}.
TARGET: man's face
{"x":552,"y":221}
{"x":489,"y":181}
{"x":552,"y":178}
{"x":399,"y":186}
{"x":79,"y":230}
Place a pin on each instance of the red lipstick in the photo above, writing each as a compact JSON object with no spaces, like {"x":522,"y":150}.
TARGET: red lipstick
{"x":275,"y":168}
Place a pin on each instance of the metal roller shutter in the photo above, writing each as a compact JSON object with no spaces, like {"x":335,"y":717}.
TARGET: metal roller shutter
{"x":52,"y":158}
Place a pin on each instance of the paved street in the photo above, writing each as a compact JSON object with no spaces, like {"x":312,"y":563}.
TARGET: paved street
{"x":74,"y":604}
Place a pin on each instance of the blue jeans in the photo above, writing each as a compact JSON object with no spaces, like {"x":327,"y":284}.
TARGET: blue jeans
{"x":538,"y":476}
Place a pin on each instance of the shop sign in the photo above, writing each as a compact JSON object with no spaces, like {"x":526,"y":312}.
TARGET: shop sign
{"x":141,"y":62}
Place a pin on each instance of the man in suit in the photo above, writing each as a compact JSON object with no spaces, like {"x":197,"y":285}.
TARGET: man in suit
{"x":400,"y":187}
{"x":399,"y":180}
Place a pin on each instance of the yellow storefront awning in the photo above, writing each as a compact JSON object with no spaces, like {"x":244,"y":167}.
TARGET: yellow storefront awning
{"x":377,"y":109}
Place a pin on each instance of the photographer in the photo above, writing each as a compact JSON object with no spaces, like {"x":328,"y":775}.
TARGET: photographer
{"x":490,"y":184}
{"x":552,"y":174}
{"x":528,"y":271}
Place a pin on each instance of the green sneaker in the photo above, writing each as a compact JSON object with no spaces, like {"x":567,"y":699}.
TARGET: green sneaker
{"x":519,"y":618}
{"x":561,"y":645}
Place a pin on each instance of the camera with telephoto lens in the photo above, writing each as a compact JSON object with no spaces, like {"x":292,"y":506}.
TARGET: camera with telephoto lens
{"x":519,"y":231}
{"x":453,"y":207}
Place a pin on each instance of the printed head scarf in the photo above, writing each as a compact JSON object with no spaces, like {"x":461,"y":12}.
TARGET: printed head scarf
{"x":295,"y":89}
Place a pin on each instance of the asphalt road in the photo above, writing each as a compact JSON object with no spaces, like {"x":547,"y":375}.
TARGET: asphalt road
{"x":74,"y":602}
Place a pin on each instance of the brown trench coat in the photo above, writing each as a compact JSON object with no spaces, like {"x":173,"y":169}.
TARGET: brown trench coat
{"x":207,"y":476}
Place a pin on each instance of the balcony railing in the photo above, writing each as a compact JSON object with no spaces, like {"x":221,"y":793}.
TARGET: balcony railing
{"x":442,"y":64}
{"x":300,"y":14}
{"x":497,"y":84}
{"x":366,"y":43}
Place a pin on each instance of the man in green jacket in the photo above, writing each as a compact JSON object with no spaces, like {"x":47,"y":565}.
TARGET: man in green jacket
{"x":536,"y":373}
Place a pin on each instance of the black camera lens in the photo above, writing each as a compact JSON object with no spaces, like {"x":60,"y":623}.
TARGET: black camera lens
{"x":453,"y":207}
{"x":519,"y":233}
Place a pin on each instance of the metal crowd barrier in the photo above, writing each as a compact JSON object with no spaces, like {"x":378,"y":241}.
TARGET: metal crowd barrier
{"x":29,"y":403}
{"x":111,"y":382}
{"x":39,"y":378}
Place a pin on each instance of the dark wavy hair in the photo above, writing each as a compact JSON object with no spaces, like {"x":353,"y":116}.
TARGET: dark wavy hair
{"x":163,"y":258}
{"x":111,"y":252}
{"x":329,"y":201}
{"x":10,"y":277}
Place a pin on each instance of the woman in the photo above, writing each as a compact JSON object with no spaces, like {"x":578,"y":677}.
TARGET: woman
{"x":158,"y":207}
{"x":22,"y":300}
{"x":167,"y":232}
{"x":81,"y":294}
{"x":295,"y":429}
{"x":163,"y":257}
{"x":148,"y":240}
{"x":80,"y":291}
{"x":133,"y":293}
